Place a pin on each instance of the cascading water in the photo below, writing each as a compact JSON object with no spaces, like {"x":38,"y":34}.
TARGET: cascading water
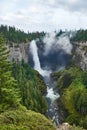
{"x":37,"y":66}
{"x":51,"y":96}
{"x":53,"y":55}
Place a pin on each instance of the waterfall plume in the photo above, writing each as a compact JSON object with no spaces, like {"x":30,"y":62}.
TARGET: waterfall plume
{"x":37,"y":66}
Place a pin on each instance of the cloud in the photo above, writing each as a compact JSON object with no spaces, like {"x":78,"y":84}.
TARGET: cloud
{"x":47,"y":15}
{"x":71,"y":5}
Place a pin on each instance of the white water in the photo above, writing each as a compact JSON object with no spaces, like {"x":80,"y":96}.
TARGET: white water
{"x":53,"y":96}
{"x":44,"y":73}
{"x":37,"y":66}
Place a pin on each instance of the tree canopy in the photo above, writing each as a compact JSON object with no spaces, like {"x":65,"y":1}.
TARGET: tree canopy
{"x":13,"y":35}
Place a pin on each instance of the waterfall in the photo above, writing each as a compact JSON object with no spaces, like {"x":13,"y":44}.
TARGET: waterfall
{"x":37,"y":66}
{"x":46,"y":75}
{"x":54,"y":56}
{"x":34,"y":50}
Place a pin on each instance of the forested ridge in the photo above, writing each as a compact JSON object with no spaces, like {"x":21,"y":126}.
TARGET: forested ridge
{"x":13,"y":35}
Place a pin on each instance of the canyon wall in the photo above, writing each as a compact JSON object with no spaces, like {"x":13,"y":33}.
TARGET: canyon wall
{"x":19,"y":52}
{"x":80,"y":55}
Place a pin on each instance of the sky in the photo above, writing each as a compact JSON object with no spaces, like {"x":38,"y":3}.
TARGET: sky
{"x":44,"y":15}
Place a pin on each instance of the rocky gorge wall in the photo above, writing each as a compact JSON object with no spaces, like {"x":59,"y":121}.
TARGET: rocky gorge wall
{"x":80,"y":54}
{"x":19,"y":52}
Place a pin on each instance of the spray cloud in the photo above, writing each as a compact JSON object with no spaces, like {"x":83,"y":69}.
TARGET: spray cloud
{"x":52,"y":43}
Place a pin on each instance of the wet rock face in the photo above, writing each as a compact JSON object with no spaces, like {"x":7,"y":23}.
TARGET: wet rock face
{"x":19,"y":52}
{"x":80,"y":55}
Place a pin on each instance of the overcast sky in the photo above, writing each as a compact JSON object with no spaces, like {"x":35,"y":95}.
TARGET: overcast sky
{"x":47,"y":15}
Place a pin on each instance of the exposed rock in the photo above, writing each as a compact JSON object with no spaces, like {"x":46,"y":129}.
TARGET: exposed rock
{"x":19,"y":52}
{"x":80,"y":55}
{"x":64,"y":126}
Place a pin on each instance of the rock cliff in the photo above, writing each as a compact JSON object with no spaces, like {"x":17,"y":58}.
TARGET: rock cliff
{"x":19,"y":52}
{"x":80,"y":55}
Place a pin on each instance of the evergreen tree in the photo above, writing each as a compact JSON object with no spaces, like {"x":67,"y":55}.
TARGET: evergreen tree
{"x":9,"y":96}
{"x":31,"y":87}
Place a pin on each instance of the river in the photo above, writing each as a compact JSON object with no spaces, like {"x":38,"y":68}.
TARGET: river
{"x":51,"y":97}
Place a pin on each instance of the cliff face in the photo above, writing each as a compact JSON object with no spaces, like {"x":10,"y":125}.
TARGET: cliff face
{"x":19,"y":52}
{"x":80,"y":55}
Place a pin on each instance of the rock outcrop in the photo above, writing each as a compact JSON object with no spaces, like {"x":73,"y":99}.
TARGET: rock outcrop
{"x":19,"y":52}
{"x":80,"y":55}
{"x":64,"y":126}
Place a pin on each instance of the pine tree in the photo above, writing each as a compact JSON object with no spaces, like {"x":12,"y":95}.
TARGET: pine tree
{"x":9,"y":96}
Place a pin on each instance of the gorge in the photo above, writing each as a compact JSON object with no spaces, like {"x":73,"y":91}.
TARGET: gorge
{"x":52,"y":55}
{"x":43,"y":68}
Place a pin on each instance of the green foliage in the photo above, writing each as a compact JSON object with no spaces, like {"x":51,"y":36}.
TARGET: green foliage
{"x":9,"y":96}
{"x":66,"y":77}
{"x":74,"y":94}
{"x":72,"y":119}
{"x":23,"y":119}
{"x":31,"y":87}
{"x":76,"y":99}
